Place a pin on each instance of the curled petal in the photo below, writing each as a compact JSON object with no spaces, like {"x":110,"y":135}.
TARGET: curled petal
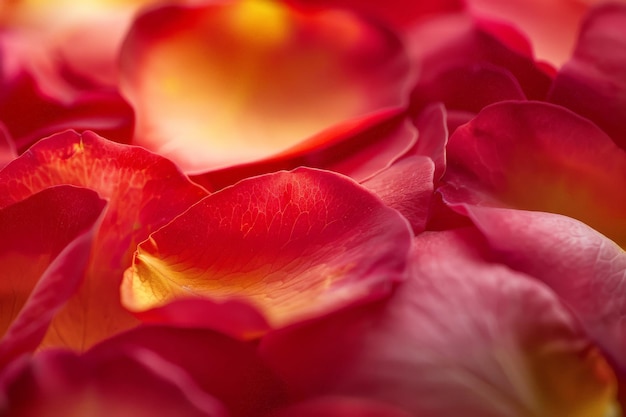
{"x":133,"y":382}
{"x":225,"y":83}
{"x":295,"y":245}
{"x":593,"y":82}
{"x":45,"y":243}
{"x":538,"y":156}
{"x":144,"y":192}
{"x":496,"y":341}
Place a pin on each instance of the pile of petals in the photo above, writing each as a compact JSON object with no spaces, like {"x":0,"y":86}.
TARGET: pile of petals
{"x":301,"y":208}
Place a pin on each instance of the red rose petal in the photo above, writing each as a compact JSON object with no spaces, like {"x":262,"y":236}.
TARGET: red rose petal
{"x":144,"y":191}
{"x":460,"y":337}
{"x":259,"y":77}
{"x":399,"y":14}
{"x":538,"y":156}
{"x":449,"y":49}
{"x":593,"y":82}
{"x":45,"y":242}
{"x":339,"y":407}
{"x":433,"y":136}
{"x":295,"y":245}
{"x":227,"y":369}
{"x":127,"y":383}
{"x":7,"y":149}
{"x":583,"y":267}
{"x":407,"y":186}
{"x":358,"y":151}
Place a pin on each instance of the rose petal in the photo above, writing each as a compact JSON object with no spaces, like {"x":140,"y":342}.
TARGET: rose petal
{"x":7,"y":149}
{"x":583,"y":267}
{"x":339,"y":407}
{"x":493,"y":340}
{"x":358,"y":151}
{"x":456,"y":47}
{"x":134,"y":383}
{"x":399,"y":14}
{"x":593,"y":82}
{"x":433,"y":136}
{"x":228,"y":370}
{"x":407,"y":186}
{"x":538,"y":156}
{"x":144,"y":191}
{"x":295,"y":245}
{"x":552,"y":42}
{"x":45,"y":242}
{"x":270,"y":76}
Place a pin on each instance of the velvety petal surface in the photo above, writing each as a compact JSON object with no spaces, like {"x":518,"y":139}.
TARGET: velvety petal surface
{"x":144,"y":192}
{"x":407,"y":186}
{"x":227,"y":369}
{"x":220,"y":84}
{"x":339,"y":407}
{"x":45,"y":242}
{"x":358,"y":150}
{"x":294,"y":245}
{"x":399,"y":14}
{"x":593,"y":82}
{"x":130,"y":383}
{"x":538,"y":156}
{"x":465,"y":65}
{"x":7,"y":149}
{"x":583,"y":267}
{"x":460,"y":337}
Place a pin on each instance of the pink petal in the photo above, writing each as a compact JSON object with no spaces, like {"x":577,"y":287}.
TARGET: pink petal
{"x":538,"y":156}
{"x":44,"y":249}
{"x":144,"y":191}
{"x":582,"y":267}
{"x":124,"y":383}
{"x":593,"y":82}
{"x":295,"y":245}
{"x":407,"y":186}
{"x":7,"y":148}
{"x":460,"y":337}
{"x":271,"y":76}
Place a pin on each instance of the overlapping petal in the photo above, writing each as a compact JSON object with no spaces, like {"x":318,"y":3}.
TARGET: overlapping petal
{"x":45,"y":242}
{"x":227,"y":369}
{"x":590,"y":282}
{"x":294,"y":245}
{"x":466,"y":66}
{"x":125,"y":383}
{"x":460,"y":337}
{"x":358,"y":150}
{"x":593,"y":82}
{"x":537,"y":156}
{"x":220,"y":84}
{"x":144,"y":192}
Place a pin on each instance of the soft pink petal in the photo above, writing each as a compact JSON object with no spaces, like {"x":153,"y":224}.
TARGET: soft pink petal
{"x":460,"y":337}
{"x":583,"y":267}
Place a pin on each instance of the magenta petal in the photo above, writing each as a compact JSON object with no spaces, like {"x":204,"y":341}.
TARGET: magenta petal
{"x":336,"y":406}
{"x":123,"y":383}
{"x":459,"y":328}
{"x":227,"y":369}
{"x":407,"y":186}
{"x":593,"y":82}
{"x":583,"y":267}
